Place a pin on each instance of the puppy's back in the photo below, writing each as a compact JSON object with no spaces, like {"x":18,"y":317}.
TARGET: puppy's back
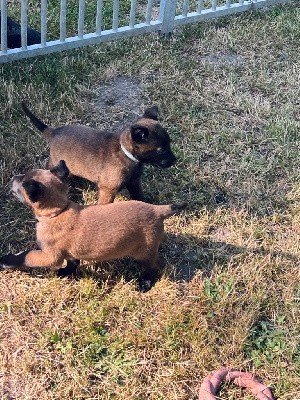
{"x":116,"y":230}
{"x":85,"y":150}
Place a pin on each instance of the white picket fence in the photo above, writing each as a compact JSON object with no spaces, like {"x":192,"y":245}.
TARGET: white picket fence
{"x":162,"y":17}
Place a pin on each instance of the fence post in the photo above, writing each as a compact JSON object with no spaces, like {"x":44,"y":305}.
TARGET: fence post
{"x":24,"y":24}
{"x":167,"y":15}
{"x":3,"y":9}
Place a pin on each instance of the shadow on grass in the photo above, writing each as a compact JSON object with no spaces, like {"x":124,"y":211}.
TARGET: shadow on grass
{"x":186,"y":255}
{"x":181,"y":257}
{"x":208,"y":195}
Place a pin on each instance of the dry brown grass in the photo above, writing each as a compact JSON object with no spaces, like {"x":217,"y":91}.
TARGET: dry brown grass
{"x":229,"y":94}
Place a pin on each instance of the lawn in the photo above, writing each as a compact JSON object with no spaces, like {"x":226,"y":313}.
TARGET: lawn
{"x":228,"y":91}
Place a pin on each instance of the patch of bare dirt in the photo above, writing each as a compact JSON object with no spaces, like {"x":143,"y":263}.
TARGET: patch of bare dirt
{"x":215,"y":59}
{"x":222,"y":59}
{"x":119,"y":102}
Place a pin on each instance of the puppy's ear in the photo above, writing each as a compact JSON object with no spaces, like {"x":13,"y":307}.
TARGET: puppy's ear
{"x":34,"y":189}
{"x":61,"y":170}
{"x":151,"y":113}
{"x":139,"y":133}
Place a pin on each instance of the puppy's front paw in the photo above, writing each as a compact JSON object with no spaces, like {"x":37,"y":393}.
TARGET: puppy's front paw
{"x":13,"y":260}
{"x":144,"y":285}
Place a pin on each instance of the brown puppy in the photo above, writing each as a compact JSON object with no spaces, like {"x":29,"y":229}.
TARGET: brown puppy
{"x":67,"y":230}
{"x":112,"y":161}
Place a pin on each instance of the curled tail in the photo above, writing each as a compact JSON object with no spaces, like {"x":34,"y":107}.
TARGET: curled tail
{"x":37,"y":122}
{"x":167,"y":211}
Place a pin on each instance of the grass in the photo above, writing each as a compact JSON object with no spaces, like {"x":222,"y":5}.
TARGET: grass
{"x":228,"y":91}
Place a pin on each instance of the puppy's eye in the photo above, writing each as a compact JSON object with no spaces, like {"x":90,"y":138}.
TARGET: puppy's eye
{"x":159,"y":150}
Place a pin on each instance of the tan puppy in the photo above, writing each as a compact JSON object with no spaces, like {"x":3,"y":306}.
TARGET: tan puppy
{"x":111,"y":161}
{"x":67,"y":230}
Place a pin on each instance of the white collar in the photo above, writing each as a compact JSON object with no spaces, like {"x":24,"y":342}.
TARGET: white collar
{"x":128,"y":154}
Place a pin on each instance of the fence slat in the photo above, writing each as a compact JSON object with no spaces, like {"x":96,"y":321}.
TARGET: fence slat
{"x":63,"y":20}
{"x":185,"y":8}
{"x":200,"y":6}
{"x":132,"y":13}
{"x":44,"y":22}
{"x":81,"y":18}
{"x":99,"y":17}
{"x":3,"y":26}
{"x":24,"y":24}
{"x":165,"y":23}
{"x":149,"y":11}
{"x":116,"y":7}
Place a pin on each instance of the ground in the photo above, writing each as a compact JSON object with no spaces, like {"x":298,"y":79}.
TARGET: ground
{"x":228,"y":92}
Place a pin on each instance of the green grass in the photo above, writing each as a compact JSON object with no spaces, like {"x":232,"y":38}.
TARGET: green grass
{"x":228,"y":91}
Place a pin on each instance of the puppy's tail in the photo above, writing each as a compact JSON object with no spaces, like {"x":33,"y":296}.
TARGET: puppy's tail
{"x":47,"y":131}
{"x":167,"y":211}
